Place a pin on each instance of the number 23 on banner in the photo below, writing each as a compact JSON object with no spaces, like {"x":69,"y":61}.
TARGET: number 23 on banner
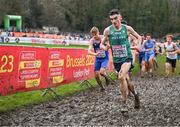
{"x":6,"y":63}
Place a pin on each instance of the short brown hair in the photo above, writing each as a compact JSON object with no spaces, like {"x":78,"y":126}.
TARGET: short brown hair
{"x":114,"y":11}
{"x":169,"y":35}
{"x":148,"y":34}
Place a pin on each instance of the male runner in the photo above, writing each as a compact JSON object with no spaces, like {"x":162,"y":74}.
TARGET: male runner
{"x":116,"y":35}
{"x":102,"y":57}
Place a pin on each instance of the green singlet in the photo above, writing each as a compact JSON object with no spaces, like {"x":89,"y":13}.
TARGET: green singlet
{"x":120,"y":44}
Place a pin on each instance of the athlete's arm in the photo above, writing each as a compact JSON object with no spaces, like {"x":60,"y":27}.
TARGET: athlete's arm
{"x":104,"y":46}
{"x":164,"y":47}
{"x":135,"y":48}
{"x":90,"y":52}
{"x":178,"y":51}
{"x":134,"y":42}
{"x":175,"y":48}
{"x":130,"y":30}
{"x":105,"y":43}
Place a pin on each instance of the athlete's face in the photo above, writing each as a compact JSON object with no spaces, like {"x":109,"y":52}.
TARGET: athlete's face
{"x":148,"y":37}
{"x":95,"y":35}
{"x":168,"y":39}
{"x":116,"y":20}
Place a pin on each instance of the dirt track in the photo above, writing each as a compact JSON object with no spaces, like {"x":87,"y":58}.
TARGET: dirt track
{"x":160,"y":106}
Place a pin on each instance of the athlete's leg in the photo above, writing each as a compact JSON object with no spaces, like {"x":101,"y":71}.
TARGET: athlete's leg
{"x":173,"y":64}
{"x":123,"y":72}
{"x":173,"y":70}
{"x":130,"y":85}
{"x":143,"y":67}
{"x":132,"y":89}
{"x":155,"y":64}
{"x":151,"y":63}
{"x":168,"y":68}
{"x":97,"y":77}
{"x":123,"y":82}
{"x":140,"y":58}
{"x":97,"y":67}
{"x":145,"y":63}
{"x":142,"y":63}
{"x":103,"y":72}
{"x":134,"y":56}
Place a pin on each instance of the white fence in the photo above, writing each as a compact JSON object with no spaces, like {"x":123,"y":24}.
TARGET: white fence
{"x":43,"y":41}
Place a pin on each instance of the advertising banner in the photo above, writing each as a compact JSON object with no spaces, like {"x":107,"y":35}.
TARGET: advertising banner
{"x":29,"y":68}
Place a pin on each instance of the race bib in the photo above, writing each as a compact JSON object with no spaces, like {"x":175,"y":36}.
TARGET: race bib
{"x":119,"y":51}
{"x":101,"y":53}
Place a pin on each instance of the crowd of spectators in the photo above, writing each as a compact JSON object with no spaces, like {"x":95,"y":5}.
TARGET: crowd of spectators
{"x":41,"y":34}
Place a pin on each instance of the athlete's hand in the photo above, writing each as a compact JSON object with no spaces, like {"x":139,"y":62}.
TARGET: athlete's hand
{"x":137,"y":48}
{"x":147,"y":50}
{"x":172,"y":53}
{"x":97,"y":53}
{"x":105,"y":46}
{"x":108,"y":46}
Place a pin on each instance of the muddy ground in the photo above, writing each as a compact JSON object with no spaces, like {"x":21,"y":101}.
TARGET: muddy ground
{"x":160,"y":106}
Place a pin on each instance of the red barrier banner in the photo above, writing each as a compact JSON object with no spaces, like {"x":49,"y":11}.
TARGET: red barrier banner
{"x":33,"y":68}
{"x":29,"y":68}
{"x":68,"y":65}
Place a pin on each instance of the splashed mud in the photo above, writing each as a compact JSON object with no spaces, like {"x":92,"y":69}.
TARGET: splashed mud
{"x":160,"y":106}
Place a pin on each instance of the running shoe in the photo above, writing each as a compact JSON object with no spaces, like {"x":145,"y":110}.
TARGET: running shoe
{"x":124,"y":108}
{"x":102,"y":89}
{"x":136,"y":101}
{"x":107,"y":82}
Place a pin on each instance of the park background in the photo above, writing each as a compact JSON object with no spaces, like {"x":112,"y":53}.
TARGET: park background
{"x":158,"y":17}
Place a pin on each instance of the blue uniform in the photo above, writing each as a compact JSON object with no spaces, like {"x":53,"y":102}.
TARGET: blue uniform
{"x":101,"y":61}
{"x":149,"y":44}
{"x":141,"y":55}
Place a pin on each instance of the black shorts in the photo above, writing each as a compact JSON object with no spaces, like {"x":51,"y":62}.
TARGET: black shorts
{"x":117,"y":66}
{"x":171,"y":61}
